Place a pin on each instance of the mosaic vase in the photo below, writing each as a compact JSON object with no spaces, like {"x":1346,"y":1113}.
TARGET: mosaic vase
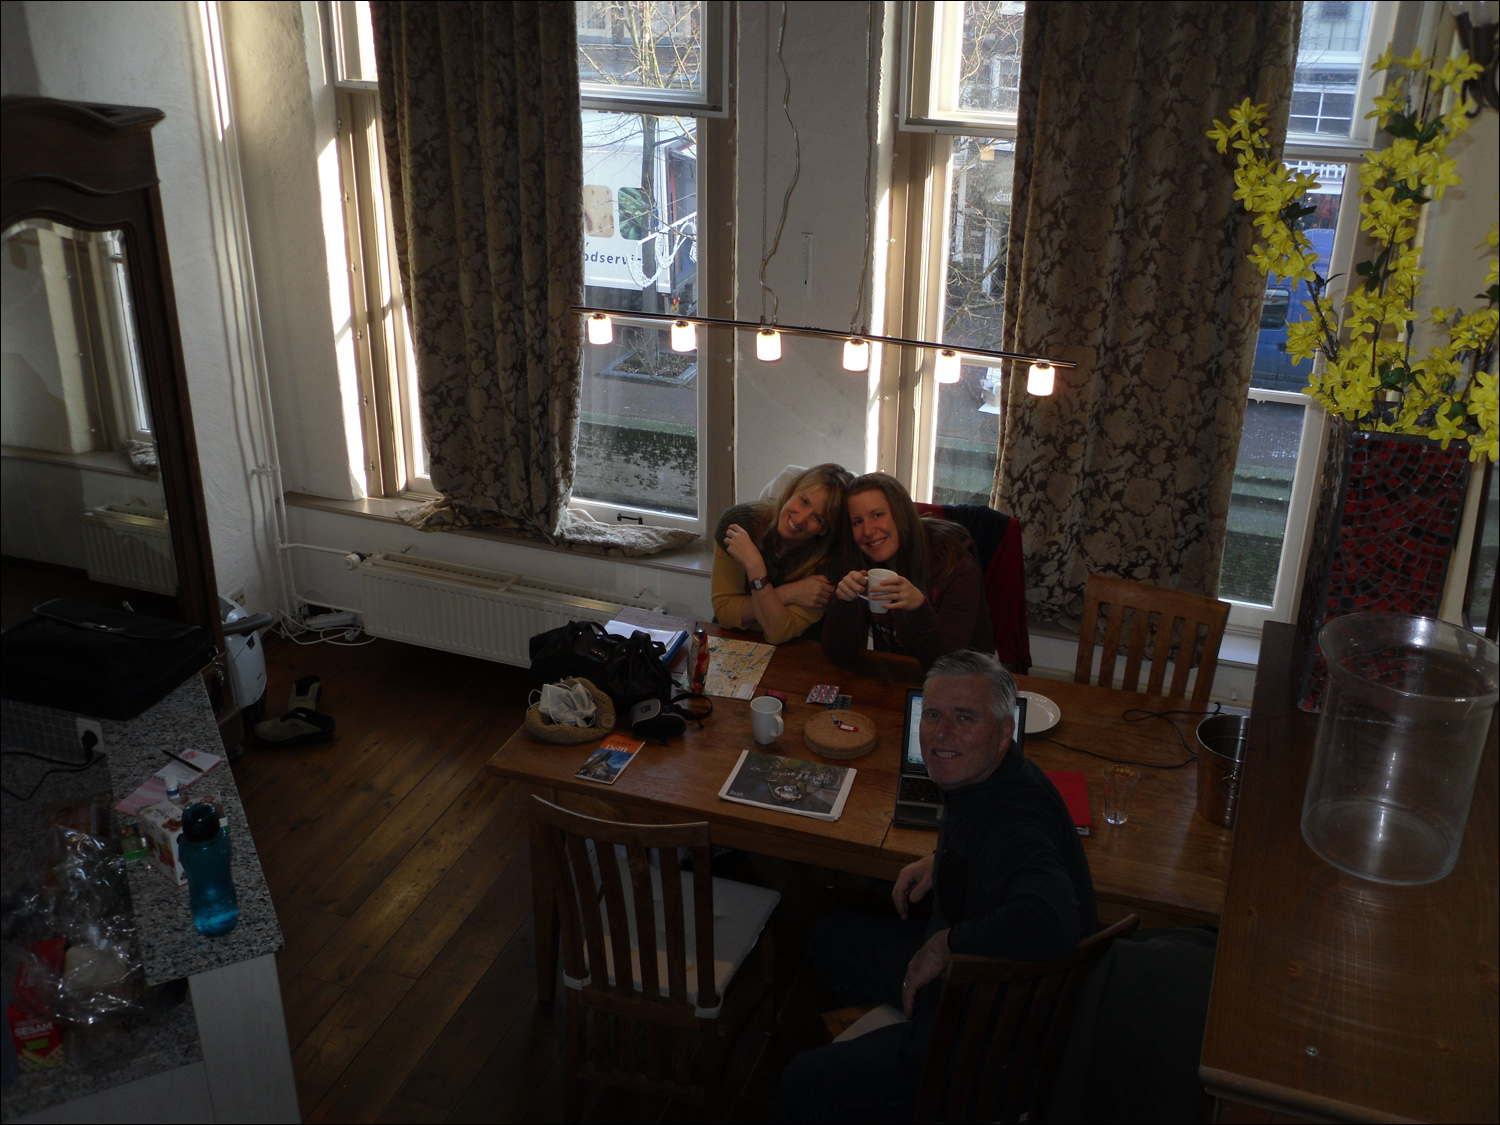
{"x":1389,"y":511}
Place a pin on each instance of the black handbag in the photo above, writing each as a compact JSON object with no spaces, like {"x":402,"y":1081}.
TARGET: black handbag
{"x":635,"y":671}
{"x":579,"y":648}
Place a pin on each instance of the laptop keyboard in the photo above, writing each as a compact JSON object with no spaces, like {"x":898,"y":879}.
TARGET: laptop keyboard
{"x":922,"y":790}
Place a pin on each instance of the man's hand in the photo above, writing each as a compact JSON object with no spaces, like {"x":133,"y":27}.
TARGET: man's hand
{"x":925,"y":968}
{"x":913,"y":884}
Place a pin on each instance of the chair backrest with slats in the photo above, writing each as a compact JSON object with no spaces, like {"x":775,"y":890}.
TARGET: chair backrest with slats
{"x":999,"y":1033}
{"x":1194,"y":623}
{"x":583,"y":855}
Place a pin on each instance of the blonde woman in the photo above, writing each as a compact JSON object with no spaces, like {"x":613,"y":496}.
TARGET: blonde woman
{"x":772,"y":560}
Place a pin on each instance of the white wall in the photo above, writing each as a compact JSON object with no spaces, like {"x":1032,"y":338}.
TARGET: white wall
{"x":150,"y":54}
{"x":805,"y":408}
{"x":285,"y":127}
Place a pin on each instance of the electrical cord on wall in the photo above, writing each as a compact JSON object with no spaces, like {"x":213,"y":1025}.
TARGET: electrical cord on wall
{"x":786,"y":200}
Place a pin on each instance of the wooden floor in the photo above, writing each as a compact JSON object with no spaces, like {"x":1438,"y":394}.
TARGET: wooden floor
{"x":400,"y":870}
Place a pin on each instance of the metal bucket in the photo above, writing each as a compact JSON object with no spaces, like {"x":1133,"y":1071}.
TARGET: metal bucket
{"x":1221,"y":759}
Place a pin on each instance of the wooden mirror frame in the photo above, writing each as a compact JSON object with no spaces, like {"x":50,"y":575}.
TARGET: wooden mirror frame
{"x":93,"y":167}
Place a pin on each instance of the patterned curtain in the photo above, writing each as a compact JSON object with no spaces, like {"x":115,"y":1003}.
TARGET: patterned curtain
{"x":1127,"y":256}
{"x":480,"y":109}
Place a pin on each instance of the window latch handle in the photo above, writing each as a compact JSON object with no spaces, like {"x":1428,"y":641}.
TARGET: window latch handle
{"x":621,"y":517}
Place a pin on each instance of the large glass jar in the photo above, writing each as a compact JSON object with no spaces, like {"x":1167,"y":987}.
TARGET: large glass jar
{"x":1408,"y":706}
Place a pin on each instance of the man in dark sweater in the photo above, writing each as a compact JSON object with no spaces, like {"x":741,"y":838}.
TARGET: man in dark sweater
{"x":1011,"y":881}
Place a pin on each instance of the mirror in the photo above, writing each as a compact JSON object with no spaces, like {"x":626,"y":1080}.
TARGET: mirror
{"x":84,"y":512}
{"x":103,"y":499}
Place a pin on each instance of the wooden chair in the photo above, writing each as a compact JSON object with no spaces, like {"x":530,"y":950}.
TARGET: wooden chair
{"x":999,"y":1033}
{"x":631,"y":1029}
{"x":1199,"y":617}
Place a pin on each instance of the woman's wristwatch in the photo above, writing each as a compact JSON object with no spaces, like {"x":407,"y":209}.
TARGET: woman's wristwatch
{"x":759,"y":583}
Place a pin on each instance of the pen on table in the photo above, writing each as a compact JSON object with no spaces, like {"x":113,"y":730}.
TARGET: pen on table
{"x":184,"y":761}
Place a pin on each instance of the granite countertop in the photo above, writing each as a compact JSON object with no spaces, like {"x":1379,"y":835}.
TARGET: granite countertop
{"x":112,"y":1054}
{"x":170,"y":946}
{"x":109,"y":1055}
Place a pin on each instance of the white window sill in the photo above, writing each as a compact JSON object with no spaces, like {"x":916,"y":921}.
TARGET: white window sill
{"x":698,"y":558}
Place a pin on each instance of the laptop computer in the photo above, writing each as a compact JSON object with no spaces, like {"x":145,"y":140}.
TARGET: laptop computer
{"x":919,"y":801}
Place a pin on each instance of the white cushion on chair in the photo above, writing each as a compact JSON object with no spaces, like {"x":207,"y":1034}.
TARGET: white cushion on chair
{"x":740,"y":914}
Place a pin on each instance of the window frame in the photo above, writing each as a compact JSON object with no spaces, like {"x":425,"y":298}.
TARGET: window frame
{"x":381,"y":346}
{"x":712,"y":102}
{"x":922,"y":171}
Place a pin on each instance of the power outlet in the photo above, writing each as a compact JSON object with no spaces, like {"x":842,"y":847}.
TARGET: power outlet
{"x":88,"y":727}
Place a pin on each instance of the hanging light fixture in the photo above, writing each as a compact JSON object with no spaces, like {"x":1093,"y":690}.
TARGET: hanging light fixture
{"x":946,"y":369}
{"x":684,"y":336}
{"x":601,"y":329}
{"x":1039,"y":379}
{"x":856,"y":354}
{"x":856,"y":342}
{"x":768,"y":345}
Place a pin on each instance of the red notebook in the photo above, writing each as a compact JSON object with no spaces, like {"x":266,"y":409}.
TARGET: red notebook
{"x":1074,"y":787}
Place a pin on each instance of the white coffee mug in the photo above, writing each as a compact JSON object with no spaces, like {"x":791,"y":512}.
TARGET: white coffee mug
{"x":765,"y":719}
{"x":875,"y":578}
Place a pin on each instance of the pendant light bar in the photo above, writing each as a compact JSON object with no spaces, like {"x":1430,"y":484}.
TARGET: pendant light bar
{"x":670,"y":319}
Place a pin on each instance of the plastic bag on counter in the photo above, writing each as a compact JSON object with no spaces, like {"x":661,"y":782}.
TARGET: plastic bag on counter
{"x":80,"y":958}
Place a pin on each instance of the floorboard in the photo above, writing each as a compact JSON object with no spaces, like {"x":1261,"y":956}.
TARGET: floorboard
{"x":401,"y":873}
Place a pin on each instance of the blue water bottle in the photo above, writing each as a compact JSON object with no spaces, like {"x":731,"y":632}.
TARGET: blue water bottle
{"x":204,"y":850}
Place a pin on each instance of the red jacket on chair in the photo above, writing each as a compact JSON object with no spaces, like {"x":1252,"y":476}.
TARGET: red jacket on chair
{"x":998,"y":539}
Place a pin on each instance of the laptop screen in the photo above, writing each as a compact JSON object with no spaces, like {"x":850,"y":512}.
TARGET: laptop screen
{"x":912,"y":740}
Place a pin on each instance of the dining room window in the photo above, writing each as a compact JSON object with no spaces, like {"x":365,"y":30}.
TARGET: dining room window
{"x":654,"y":88}
{"x":961,"y":67}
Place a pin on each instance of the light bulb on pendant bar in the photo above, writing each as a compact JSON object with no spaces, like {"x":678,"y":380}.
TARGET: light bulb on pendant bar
{"x":856,"y":354}
{"x":768,"y":345}
{"x":1039,"y":379}
{"x":601,"y":329}
{"x":946,"y":369}
{"x":684,"y":336}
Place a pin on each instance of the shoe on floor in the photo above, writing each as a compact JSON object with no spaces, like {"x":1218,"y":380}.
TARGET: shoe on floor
{"x":305,"y":692}
{"x":298,"y":726}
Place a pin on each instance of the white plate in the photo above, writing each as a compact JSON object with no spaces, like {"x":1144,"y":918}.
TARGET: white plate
{"x":1041,"y":713}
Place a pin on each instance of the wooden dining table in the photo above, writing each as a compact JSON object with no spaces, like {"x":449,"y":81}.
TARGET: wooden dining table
{"x":1167,"y":862}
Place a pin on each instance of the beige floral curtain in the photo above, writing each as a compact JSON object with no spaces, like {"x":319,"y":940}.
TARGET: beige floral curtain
{"x":480,"y":109}
{"x":1127,"y":256}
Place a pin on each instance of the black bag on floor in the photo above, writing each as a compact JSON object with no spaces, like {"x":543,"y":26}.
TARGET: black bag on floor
{"x":94,"y":660}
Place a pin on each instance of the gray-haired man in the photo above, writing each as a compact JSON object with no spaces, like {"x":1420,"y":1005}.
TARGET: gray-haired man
{"x":1011,"y":881}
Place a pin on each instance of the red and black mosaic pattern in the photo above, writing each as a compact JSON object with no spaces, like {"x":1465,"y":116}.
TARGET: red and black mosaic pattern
{"x":1385,"y":538}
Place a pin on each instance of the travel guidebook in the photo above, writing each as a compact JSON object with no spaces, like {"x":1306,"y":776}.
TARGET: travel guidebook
{"x":769,"y":781}
{"x":609,"y":759}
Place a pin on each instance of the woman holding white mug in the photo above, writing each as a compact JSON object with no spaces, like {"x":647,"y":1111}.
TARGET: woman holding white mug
{"x":914,"y":583}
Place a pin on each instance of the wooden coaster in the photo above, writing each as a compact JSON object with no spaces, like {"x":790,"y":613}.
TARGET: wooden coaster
{"x":824,"y":736}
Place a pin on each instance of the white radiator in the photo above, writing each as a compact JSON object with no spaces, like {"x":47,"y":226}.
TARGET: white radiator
{"x":125,"y":549}
{"x":467,"y":610}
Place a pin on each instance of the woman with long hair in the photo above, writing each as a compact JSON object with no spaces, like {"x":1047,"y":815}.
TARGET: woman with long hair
{"x":774,"y":563}
{"x":933,"y":606}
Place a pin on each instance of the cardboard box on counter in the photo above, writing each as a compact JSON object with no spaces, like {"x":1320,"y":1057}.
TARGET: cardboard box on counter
{"x":161,"y":824}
